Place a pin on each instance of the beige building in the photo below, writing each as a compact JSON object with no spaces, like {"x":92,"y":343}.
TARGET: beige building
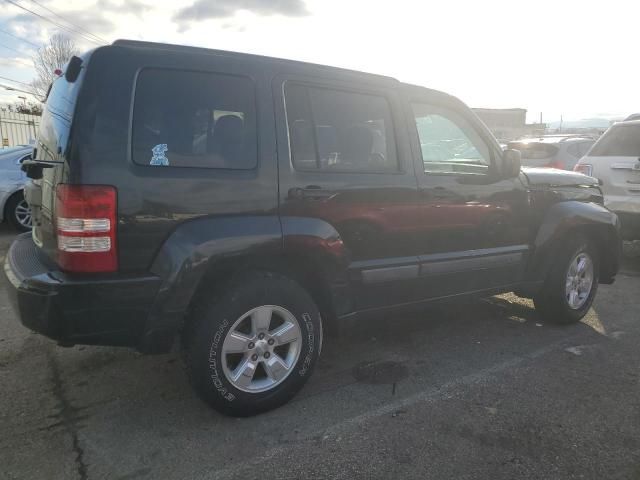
{"x":509,"y":123}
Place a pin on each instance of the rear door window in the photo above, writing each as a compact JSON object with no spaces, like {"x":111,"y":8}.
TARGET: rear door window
{"x":618,"y":141}
{"x":194,"y":119}
{"x":334,"y":130}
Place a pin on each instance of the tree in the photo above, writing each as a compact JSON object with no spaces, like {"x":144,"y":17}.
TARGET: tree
{"x":31,"y":108}
{"x":48,"y":59}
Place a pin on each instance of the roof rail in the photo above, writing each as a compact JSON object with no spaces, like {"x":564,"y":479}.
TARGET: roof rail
{"x":210,"y":51}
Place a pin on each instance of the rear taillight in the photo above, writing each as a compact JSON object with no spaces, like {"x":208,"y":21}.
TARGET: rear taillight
{"x":584,"y":168}
{"x":86,"y":228}
{"x":559,"y":164}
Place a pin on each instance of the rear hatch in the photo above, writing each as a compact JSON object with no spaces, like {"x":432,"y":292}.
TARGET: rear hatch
{"x":616,"y":160}
{"x":52,"y":161}
{"x":535,"y":154}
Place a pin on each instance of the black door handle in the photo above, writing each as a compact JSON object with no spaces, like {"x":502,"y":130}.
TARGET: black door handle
{"x":316,"y":192}
{"x":311,"y":192}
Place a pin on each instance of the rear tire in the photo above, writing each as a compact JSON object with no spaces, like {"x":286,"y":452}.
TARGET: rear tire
{"x":571,"y":284}
{"x":17,"y":212}
{"x":252,"y":348}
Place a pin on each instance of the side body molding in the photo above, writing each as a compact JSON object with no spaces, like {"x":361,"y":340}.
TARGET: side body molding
{"x":564,"y":217}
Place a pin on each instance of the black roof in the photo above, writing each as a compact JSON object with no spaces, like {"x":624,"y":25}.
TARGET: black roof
{"x":311,"y":68}
{"x":262,"y":58}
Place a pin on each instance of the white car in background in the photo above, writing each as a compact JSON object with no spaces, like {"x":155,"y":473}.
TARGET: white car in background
{"x":615,"y":161}
{"x":13,"y":207}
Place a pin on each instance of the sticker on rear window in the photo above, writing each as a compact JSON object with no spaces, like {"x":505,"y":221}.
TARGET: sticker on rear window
{"x":159,"y":158}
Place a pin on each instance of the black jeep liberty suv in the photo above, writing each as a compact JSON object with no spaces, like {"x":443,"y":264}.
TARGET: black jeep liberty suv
{"x":241,"y":203}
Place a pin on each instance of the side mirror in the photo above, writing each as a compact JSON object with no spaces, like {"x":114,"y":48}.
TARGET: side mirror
{"x":511,"y":163}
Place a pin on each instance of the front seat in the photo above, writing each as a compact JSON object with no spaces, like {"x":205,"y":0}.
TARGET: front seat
{"x":357,"y":146}
{"x":227,"y":140}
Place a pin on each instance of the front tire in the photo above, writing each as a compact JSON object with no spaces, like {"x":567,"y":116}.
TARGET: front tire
{"x":572,"y":283}
{"x":252,"y":348}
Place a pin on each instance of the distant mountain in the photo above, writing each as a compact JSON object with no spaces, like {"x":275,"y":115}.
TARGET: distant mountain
{"x":585,"y":123}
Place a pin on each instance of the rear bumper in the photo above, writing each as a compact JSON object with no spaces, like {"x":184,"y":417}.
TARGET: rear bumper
{"x":629,"y":225}
{"x":628,"y":204}
{"x":96,"y":309}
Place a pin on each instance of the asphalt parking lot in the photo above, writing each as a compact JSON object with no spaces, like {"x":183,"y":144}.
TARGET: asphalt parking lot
{"x":481,"y":389}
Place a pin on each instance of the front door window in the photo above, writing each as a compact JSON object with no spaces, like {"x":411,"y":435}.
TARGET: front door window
{"x":448,"y":143}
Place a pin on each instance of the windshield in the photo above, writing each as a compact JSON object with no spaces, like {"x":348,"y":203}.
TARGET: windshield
{"x":449,"y":142}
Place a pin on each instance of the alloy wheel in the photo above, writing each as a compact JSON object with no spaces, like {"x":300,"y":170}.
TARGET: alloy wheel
{"x":22,"y":214}
{"x":261,"y":348}
{"x":579,"y":280}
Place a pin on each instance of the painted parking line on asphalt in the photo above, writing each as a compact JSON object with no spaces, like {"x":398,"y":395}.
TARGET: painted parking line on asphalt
{"x":428,"y":396}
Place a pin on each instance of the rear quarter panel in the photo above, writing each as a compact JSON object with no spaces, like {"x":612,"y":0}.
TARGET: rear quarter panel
{"x":620,"y":177}
{"x":153,"y":201}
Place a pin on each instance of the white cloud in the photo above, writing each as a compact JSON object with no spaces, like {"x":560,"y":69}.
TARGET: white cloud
{"x":571,"y":57}
{"x":201,"y":10}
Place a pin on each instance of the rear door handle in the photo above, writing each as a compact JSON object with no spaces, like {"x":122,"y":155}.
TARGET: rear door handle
{"x":316,"y":192}
{"x":311,"y":192}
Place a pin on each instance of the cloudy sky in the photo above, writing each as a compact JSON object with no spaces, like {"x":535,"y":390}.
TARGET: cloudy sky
{"x":576,"y":58}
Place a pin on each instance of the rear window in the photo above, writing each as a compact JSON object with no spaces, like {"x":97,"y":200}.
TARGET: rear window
{"x":534,"y":150}
{"x":618,"y":141}
{"x":194,"y":119}
{"x":574,"y":149}
{"x":584,"y":147}
{"x":55,"y":125}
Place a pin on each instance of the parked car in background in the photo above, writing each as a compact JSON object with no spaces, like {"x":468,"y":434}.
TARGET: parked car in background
{"x":633,"y":116}
{"x":553,"y":151}
{"x":615,"y":161}
{"x":504,"y":144}
{"x":13,"y":207}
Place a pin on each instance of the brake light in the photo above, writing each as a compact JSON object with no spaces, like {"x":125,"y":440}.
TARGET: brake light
{"x":584,"y":168}
{"x":559,"y":164}
{"x":86,"y":228}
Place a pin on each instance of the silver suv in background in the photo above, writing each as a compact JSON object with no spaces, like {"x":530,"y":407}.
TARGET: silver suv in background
{"x":13,"y":207}
{"x":553,"y":151}
{"x":615,"y":161}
